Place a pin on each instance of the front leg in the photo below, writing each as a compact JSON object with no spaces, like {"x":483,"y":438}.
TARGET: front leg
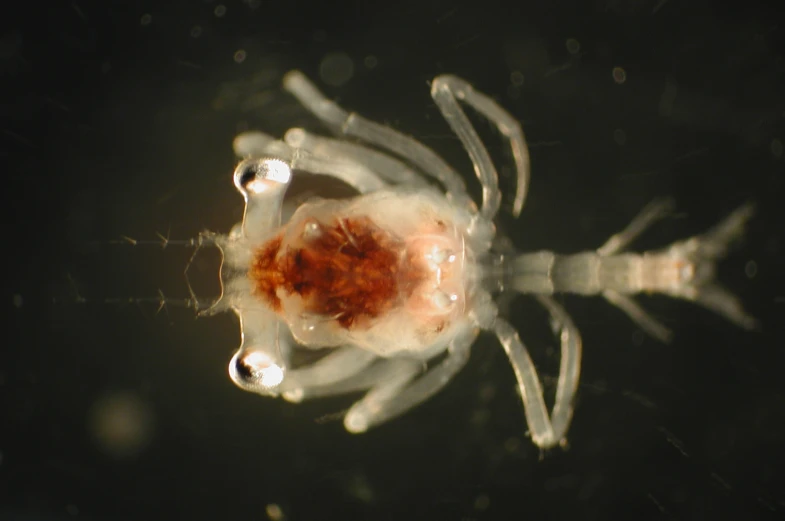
{"x":386,"y":138}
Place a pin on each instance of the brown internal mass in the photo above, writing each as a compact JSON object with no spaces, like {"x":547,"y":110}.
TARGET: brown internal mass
{"x":350,"y":270}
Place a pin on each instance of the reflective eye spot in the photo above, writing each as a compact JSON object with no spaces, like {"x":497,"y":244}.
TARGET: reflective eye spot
{"x":442,"y":300}
{"x":312,"y":231}
{"x":437,"y":255}
{"x":257,"y":368}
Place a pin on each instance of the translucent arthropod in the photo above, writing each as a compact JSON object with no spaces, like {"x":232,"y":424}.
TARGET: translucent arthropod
{"x":394,"y":285}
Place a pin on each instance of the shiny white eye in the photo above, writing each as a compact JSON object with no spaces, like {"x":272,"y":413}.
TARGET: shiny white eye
{"x":312,"y":230}
{"x":443,"y":300}
{"x":256,"y":176}
{"x":256,"y":369}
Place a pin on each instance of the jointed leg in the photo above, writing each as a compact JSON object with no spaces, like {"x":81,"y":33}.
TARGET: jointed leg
{"x":651,"y":213}
{"x":445,"y":90}
{"x":297,"y":153}
{"x":387,"y":167}
{"x":639,"y":315}
{"x":384,"y":137}
{"x":360,"y":381}
{"x":418,"y":391}
{"x":546,"y":430}
{"x":340,"y":365}
{"x":370,"y":410}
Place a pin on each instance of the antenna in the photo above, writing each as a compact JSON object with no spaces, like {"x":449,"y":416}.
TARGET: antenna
{"x":199,"y":305}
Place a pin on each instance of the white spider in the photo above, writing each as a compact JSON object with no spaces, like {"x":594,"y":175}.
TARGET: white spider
{"x":389,"y":280}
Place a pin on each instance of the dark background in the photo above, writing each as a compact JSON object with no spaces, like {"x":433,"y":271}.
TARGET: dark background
{"x":117,"y":118}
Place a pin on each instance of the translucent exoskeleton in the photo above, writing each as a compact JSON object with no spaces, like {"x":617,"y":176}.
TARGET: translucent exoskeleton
{"x":393,"y":286}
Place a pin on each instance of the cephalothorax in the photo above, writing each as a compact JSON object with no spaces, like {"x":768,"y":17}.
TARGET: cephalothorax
{"x":405,"y":273}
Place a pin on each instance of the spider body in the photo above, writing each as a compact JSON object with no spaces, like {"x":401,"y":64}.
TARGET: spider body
{"x":407,"y":271}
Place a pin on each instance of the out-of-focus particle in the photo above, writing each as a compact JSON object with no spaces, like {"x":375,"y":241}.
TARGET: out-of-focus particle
{"x":573,"y":46}
{"x":776,"y":148}
{"x":146,"y":19}
{"x":219,"y":11}
{"x":274,"y":512}
{"x":121,"y":424}
{"x":336,"y":69}
{"x":751,"y":269}
{"x":512,"y":444}
{"x":240,"y":56}
{"x":619,"y":75}
{"x":370,"y":62}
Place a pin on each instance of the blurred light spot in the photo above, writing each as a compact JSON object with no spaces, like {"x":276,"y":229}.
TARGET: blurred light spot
{"x":516,"y":77}
{"x":776,"y":148}
{"x":220,"y":10}
{"x":370,"y":62}
{"x":751,"y":269}
{"x":121,"y":424}
{"x":573,"y":46}
{"x":18,"y":300}
{"x":512,"y":444}
{"x":480,"y":417}
{"x":336,"y":69}
{"x":481,"y":502}
{"x":360,"y":488}
{"x":619,"y":75}
{"x":72,"y":510}
{"x":274,"y":512}
{"x":240,"y":56}
{"x":146,"y":19}
{"x":196,"y":31}
{"x":487,"y":392}
{"x":619,"y":136}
